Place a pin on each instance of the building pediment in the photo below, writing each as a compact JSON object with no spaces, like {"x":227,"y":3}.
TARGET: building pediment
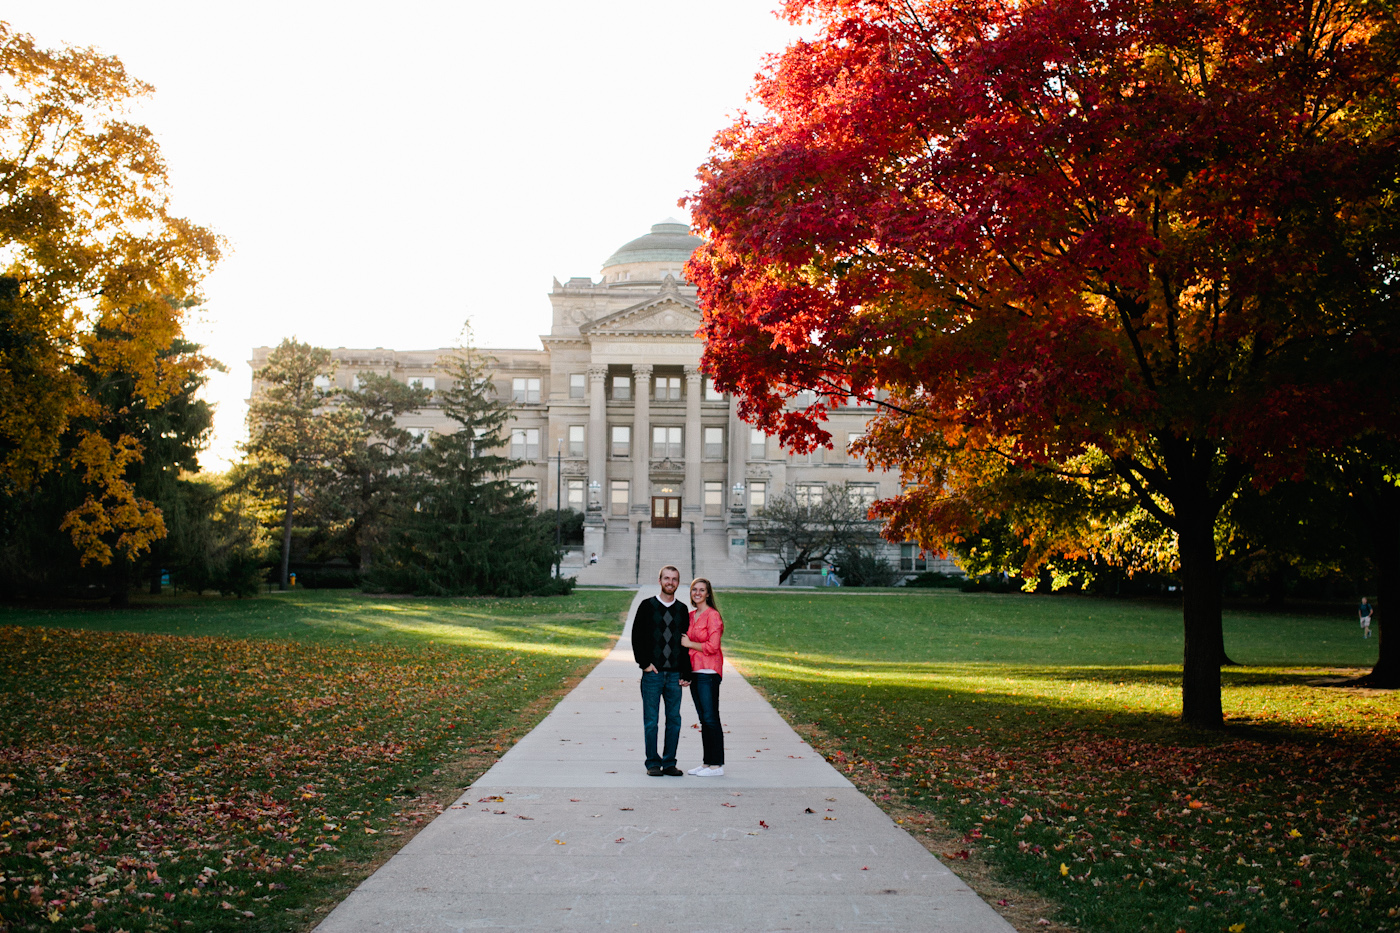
{"x":669,"y":314}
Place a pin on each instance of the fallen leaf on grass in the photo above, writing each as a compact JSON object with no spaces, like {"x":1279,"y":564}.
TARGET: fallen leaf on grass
{"x":492,"y":800}
{"x":624,"y":808}
{"x":809,"y":810}
{"x":519,"y":817}
{"x":763,"y":824}
{"x":728,"y":804}
{"x":620,"y":839}
{"x":560,"y":842}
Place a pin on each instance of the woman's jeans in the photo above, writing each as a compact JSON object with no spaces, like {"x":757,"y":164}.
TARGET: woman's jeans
{"x":704,"y":690}
{"x":656,"y":687}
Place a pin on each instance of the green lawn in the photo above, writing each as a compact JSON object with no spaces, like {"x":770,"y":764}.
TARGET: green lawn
{"x":1041,"y":733}
{"x":208,"y":764}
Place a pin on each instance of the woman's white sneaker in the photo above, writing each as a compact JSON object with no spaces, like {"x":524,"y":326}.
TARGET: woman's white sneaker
{"x":716,"y":771}
{"x":697,"y":769}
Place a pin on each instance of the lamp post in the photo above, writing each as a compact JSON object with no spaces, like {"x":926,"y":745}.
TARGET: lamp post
{"x":558,"y":508}
{"x":738,"y":497}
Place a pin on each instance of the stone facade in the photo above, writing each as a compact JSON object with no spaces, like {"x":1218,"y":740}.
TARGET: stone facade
{"x":613,"y":418}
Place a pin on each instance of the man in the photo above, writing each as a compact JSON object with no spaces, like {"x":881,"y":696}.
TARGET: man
{"x":1365,"y":615}
{"x":665,"y":663}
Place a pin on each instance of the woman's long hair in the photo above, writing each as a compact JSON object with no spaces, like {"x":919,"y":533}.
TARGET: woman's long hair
{"x":709,"y":592}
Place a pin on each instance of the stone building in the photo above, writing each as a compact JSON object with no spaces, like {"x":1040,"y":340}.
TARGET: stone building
{"x":613,"y":418}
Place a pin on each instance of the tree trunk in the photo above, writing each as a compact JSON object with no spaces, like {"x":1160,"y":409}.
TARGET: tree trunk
{"x":155,"y":589}
{"x":1200,"y":613}
{"x":287,"y":535}
{"x":1385,"y":553}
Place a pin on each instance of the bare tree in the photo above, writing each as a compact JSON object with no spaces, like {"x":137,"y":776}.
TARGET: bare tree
{"x":814,"y":523}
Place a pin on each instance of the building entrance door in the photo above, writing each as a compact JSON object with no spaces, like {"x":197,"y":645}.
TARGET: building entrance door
{"x":665,"y":511}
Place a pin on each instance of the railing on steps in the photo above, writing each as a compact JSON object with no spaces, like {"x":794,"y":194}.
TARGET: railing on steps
{"x":637,"y":572}
{"x":693,"y":574}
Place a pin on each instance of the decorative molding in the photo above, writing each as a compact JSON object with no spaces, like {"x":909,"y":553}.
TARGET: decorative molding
{"x":668,"y":313}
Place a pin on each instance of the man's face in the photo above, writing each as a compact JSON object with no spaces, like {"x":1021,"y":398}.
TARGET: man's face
{"x":670,"y":580}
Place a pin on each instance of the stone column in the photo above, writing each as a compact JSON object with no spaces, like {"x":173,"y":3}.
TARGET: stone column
{"x":598,"y":436}
{"x":737,"y":521}
{"x":641,"y":439}
{"x":738,"y":451}
{"x":694,"y":441}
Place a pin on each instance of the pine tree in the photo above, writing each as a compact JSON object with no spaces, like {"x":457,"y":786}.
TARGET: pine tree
{"x":470,"y":532}
{"x":295,"y":430}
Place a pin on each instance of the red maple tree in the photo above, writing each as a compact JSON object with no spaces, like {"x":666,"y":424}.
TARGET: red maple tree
{"x":1062,"y":229}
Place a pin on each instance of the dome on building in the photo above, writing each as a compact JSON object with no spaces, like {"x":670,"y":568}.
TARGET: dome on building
{"x":669,"y":241}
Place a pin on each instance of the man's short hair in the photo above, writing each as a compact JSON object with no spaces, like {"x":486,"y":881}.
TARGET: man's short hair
{"x":669,"y":567}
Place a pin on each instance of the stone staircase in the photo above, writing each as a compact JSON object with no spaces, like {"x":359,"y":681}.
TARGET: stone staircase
{"x":621,"y":564}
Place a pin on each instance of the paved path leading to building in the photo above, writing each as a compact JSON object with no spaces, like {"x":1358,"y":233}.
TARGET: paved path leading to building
{"x":567,"y":832}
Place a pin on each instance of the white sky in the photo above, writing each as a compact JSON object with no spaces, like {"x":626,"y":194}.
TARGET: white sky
{"x":384,"y":172}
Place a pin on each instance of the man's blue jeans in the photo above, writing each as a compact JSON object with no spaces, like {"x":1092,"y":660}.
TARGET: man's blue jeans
{"x":658,"y":686}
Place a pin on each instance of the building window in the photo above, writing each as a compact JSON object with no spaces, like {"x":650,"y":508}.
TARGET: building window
{"x":573,"y":494}
{"x":622,"y":388}
{"x":911,"y":558}
{"x":668,"y":388}
{"x":711,"y":393}
{"x":758,"y":496}
{"x":423,"y":382}
{"x":714,"y":498}
{"x":805,"y":399}
{"x":714,"y":443}
{"x":576,"y":440}
{"x":621,"y":440}
{"x":862,"y":494}
{"x":851,"y":439}
{"x":808,"y":494}
{"x":619,"y":497}
{"x":758,"y":445}
{"x":526,"y":486}
{"x":525,"y":444}
{"x":578,"y":385}
{"x":420,"y":436}
{"x":524,"y":391}
{"x":666,"y":443}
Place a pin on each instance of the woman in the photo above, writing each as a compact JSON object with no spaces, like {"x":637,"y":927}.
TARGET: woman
{"x":707,"y":665}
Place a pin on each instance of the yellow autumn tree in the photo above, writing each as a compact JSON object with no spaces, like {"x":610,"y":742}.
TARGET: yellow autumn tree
{"x":96,"y":271}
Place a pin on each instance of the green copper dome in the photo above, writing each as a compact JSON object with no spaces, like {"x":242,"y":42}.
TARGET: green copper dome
{"x":668,"y":241}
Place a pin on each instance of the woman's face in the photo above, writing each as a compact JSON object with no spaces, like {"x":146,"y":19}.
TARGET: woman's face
{"x":699,"y":592}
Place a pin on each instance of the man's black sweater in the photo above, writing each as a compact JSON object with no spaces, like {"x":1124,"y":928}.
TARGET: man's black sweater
{"x":656,"y":636}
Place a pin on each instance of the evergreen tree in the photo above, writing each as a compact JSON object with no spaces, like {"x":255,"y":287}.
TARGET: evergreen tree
{"x":377,"y":469}
{"x":470,"y":531}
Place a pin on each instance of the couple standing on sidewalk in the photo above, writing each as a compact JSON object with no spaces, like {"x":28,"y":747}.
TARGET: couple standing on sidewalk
{"x":675,"y":649}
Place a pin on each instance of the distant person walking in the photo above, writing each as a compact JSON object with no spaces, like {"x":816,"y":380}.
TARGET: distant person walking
{"x":1363,"y":612}
{"x":707,"y":666}
{"x":657,"y":633}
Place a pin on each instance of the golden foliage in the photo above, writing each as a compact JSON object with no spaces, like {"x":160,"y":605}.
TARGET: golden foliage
{"x":94,"y":271}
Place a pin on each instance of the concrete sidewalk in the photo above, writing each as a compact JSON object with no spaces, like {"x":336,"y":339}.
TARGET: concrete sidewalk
{"x":567,"y":832}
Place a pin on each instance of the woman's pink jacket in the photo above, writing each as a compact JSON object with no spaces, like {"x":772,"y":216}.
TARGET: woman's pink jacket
{"x":706,"y":627}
